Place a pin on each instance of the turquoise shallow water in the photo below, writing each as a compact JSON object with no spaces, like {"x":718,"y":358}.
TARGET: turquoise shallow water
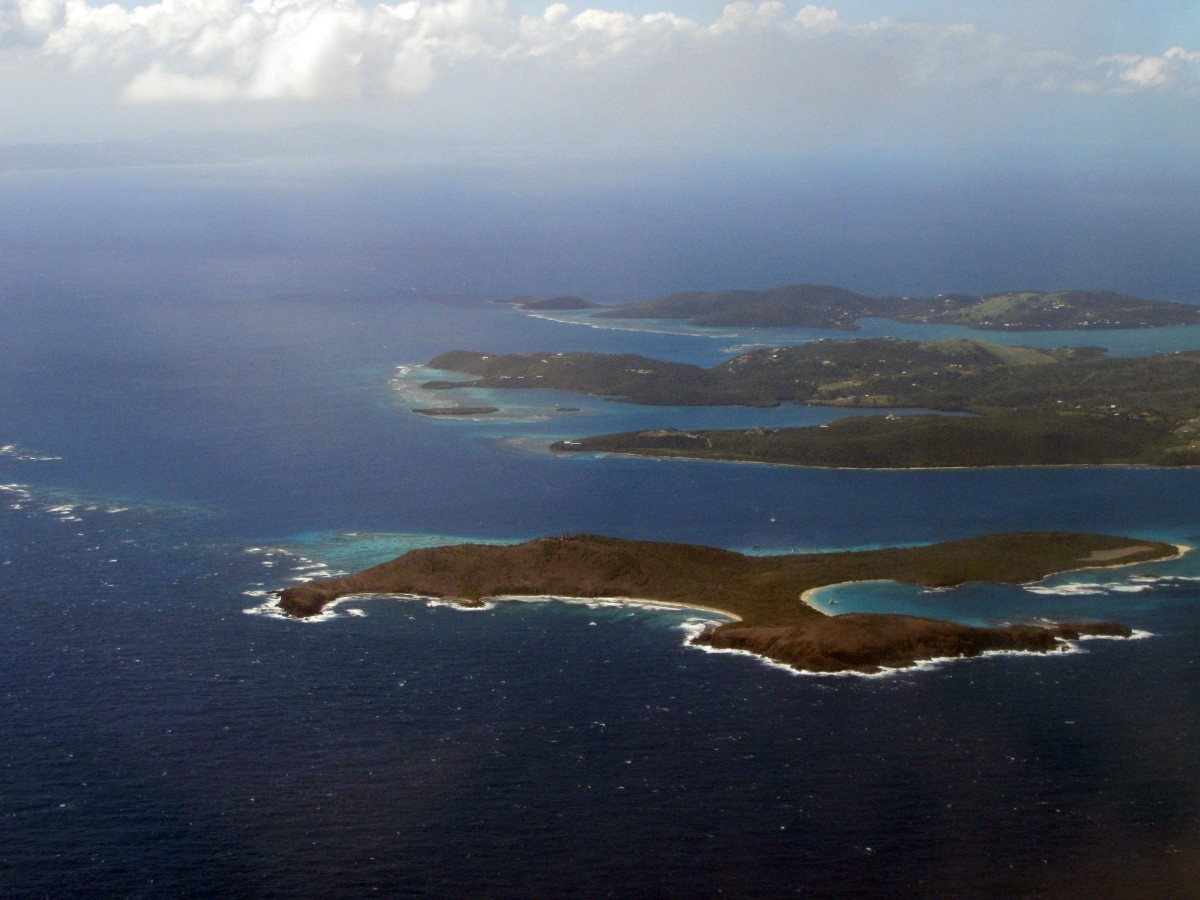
{"x":1074,"y":596}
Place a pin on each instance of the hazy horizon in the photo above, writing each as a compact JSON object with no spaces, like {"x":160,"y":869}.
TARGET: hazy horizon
{"x":626,"y":149}
{"x":1073,"y":82}
{"x":623,"y":230}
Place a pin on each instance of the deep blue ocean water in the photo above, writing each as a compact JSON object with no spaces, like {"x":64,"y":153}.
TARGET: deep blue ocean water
{"x":204,"y":413}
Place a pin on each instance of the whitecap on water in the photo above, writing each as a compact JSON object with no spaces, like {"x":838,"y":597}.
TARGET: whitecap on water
{"x":310,"y":575}
{"x":923,"y":665}
{"x":69,"y":506}
{"x":1067,"y":590}
{"x":435,"y":603}
{"x":21,"y":454}
{"x":1135,"y":584}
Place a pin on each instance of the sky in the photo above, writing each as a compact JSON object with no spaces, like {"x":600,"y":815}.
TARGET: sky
{"x":1062,"y":79}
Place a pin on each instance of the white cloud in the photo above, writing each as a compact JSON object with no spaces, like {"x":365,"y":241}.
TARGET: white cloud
{"x":156,"y":85}
{"x":743,"y":14}
{"x":219,"y":50}
{"x":817,"y":17}
{"x":1177,"y":69}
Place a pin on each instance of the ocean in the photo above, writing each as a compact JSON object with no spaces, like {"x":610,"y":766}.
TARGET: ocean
{"x":208,"y":377}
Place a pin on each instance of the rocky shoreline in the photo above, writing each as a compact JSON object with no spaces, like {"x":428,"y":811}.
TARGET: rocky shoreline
{"x":763,"y":593}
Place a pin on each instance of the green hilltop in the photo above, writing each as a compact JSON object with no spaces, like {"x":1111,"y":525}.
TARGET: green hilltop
{"x":825,"y":306}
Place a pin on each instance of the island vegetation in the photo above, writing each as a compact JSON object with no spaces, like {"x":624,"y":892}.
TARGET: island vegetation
{"x":764,"y":595}
{"x":1066,"y":406}
{"x":913,"y":442}
{"x":824,"y":306}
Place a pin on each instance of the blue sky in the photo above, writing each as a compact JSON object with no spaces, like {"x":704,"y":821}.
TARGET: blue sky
{"x":1068,"y":79}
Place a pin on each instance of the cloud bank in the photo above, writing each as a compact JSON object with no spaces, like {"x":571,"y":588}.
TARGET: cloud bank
{"x":212,"y":51}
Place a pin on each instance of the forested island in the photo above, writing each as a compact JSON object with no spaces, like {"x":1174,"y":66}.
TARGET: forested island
{"x":763,"y":594}
{"x":825,"y":306}
{"x":1067,"y":406}
{"x":913,"y":442}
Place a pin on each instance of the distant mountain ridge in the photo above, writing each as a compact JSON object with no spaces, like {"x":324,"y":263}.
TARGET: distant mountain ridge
{"x":827,"y":306}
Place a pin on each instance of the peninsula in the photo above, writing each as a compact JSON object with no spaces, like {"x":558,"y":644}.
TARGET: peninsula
{"x":763,"y":594}
{"x":548,"y":304}
{"x":824,"y":306}
{"x":1066,"y":406}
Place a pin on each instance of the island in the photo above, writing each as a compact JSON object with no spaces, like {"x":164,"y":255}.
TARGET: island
{"x":456,"y":410}
{"x":915,"y":442}
{"x":825,"y":306}
{"x":764,"y":596}
{"x":1026,"y":406}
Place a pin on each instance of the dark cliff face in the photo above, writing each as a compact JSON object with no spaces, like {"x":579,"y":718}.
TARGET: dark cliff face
{"x":764,"y":592}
